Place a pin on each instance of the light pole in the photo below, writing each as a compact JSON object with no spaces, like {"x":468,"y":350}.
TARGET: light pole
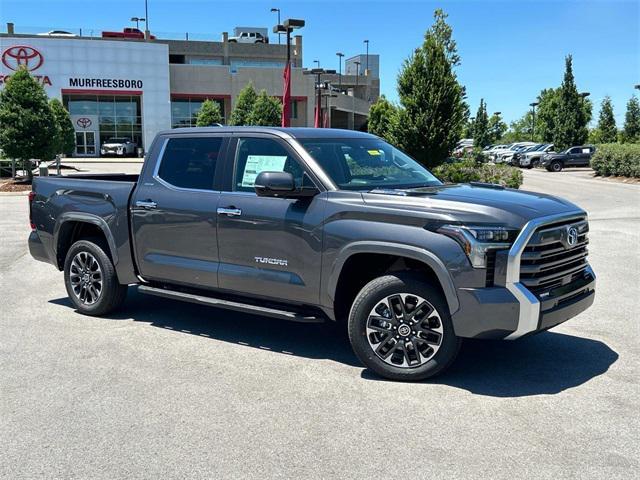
{"x":146,"y":22}
{"x":327,"y":96}
{"x":340,"y":55}
{"x":533,"y":121}
{"x":366,"y":61}
{"x":273,"y":10}
{"x":584,"y":95}
{"x":319,"y":86}
{"x":357,"y":64}
{"x":288,"y":26}
{"x":317,"y":62}
{"x":637,"y":87}
{"x":138,"y":20}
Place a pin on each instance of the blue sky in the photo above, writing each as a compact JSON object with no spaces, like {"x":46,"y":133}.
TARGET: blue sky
{"x":510,"y":49}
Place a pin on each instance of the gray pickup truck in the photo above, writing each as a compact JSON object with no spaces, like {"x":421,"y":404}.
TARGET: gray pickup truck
{"x":312,"y":225}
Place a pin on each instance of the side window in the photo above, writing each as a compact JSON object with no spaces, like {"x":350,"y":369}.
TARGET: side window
{"x":190,"y":162}
{"x":574,"y":151}
{"x":255,"y":155}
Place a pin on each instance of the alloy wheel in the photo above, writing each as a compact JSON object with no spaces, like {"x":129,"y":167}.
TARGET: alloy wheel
{"x":86,"y":279}
{"x":404,"y":330}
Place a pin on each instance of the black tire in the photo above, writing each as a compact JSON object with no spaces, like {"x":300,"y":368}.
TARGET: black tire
{"x":111,"y":293}
{"x":370,"y":297}
{"x":556,"y":166}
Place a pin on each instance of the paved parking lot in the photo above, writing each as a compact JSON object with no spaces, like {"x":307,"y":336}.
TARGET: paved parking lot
{"x":168,"y":390}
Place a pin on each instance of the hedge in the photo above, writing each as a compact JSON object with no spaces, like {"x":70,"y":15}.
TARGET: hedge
{"x":615,"y":159}
{"x":465,"y":171}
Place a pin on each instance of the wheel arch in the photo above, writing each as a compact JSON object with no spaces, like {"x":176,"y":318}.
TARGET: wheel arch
{"x":73,"y":226}
{"x":389,"y":254}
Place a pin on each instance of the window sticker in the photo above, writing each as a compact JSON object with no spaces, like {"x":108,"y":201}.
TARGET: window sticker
{"x":261,"y":163}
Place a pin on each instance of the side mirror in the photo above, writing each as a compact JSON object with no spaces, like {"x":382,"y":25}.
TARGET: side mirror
{"x":283,"y":185}
{"x":274,"y":184}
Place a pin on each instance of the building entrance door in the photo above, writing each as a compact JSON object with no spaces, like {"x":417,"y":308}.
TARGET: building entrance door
{"x":86,"y":144}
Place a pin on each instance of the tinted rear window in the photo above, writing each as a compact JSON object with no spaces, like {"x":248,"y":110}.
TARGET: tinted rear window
{"x":190,"y":162}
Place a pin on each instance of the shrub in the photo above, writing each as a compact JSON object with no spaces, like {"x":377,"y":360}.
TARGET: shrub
{"x":467,"y":170}
{"x":617,"y":160}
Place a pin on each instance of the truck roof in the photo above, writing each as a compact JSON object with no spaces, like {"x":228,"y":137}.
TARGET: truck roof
{"x":292,"y":132}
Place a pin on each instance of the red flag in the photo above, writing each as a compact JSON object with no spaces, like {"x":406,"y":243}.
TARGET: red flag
{"x":286,"y":96}
{"x":316,"y":122}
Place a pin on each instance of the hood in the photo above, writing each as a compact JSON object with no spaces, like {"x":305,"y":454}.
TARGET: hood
{"x":472,"y":203}
{"x":114,"y":144}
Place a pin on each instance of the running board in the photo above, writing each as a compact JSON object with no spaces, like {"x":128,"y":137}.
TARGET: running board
{"x":230,"y":305}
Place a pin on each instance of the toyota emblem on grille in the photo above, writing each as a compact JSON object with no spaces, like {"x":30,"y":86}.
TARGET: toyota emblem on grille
{"x":572,"y":236}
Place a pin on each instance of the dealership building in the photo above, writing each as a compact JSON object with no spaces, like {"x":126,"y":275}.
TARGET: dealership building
{"x":134,"y":88}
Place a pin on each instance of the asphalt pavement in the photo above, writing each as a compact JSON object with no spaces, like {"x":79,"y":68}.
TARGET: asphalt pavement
{"x":171,"y":390}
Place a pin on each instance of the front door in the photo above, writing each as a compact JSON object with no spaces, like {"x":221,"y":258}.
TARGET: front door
{"x":174,"y":217}
{"x":269,"y":247}
{"x":86,"y":144}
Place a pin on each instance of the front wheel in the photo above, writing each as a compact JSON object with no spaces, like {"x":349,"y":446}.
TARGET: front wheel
{"x":400,"y":327}
{"x":556,"y":166}
{"x":91,"y":280}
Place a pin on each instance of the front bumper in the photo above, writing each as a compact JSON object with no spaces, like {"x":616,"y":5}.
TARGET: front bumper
{"x":495,"y":312}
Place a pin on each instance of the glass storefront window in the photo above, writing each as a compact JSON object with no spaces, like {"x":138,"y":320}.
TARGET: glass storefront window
{"x":118,"y":115}
{"x":184,"y":111}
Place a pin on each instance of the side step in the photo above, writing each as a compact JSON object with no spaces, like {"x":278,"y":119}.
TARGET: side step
{"x":230,"y":305}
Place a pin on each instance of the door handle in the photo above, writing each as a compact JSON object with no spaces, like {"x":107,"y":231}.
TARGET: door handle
{"x":146,"y":204}
{"x":230,"y":212}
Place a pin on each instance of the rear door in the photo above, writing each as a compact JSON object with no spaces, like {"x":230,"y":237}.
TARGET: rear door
{"x":173,"y":212}
{"x":269,"y":247}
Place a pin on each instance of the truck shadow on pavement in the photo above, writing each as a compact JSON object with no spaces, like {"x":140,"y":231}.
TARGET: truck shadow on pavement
{"x":546,"y":363}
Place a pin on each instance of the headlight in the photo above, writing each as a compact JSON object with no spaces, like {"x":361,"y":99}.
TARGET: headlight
{"x":476,"y":241}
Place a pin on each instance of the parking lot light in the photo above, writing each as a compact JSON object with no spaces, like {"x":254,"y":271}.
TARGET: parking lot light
{"x":273,"y":10}
{"x":340,"y":55}
{"x":637,"y":86}
{"x":533,"y":118}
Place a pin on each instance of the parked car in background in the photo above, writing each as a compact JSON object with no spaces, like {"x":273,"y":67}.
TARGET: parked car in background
{"x":121,"y":146}
{"x":532,"y":158}
{"x":57,"y":33}
{"x":249,"y":37}
{"x":572,"y":157}
{"x":488,"y":152}
{"x":127,"y":32}
{"x":504,"y":156}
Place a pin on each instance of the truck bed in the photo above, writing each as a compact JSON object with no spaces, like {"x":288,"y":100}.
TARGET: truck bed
{"x":99,"y":199}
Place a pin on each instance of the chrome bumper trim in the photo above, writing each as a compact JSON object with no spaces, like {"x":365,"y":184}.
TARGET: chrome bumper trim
{"x":529,"y":305}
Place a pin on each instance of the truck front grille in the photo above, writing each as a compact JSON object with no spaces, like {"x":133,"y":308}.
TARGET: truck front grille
{"x":551,"y":259}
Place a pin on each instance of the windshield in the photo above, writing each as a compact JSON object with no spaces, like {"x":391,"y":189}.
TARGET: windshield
{"x":367,"y":164}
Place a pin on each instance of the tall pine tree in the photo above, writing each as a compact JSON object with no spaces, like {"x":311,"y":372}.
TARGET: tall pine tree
{"x":432,"y":113}
{"x":631,"y":131}
{"x":607,"y":131}
{"x":571,"y":118}
{"x":481,"y":126}
{"x":209,"y":114}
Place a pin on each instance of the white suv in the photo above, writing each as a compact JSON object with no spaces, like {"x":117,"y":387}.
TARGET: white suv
{"x":249,"y":37}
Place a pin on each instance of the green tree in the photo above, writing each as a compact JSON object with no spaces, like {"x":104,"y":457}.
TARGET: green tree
{"x":266,"y":111}
{"x":519,"y":130}
{"x":209,"y":114}
{"x":244,"y":104}
{"x":607,"y":131}
{"x":432,"y":113}
{"x":382,"y":116}
{"x":27,"y":126}
{"x":481,"y":126}
{"x":546,"y":113}
{"x":65,"y":134}
{"x":631,"y":131}
{"x":497,"y":128}
{"x":571,"y":119}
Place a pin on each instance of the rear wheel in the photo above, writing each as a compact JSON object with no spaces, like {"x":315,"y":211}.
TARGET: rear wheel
{"x":91,"y":280}
{"x":399,"y":327}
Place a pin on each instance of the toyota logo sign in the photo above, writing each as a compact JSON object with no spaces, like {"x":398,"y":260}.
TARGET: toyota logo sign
{"x":22,"y":56}
{"x":83,"y":122}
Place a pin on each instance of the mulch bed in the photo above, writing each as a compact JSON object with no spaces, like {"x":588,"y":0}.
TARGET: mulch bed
{"x":15,"y":186}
